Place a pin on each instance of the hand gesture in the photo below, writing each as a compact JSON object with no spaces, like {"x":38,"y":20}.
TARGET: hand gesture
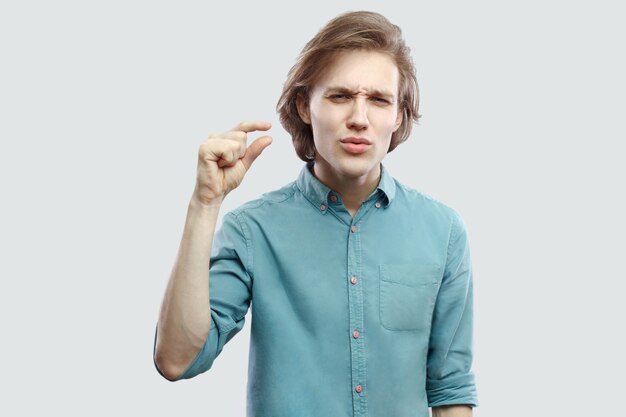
{"x":224,"y":159}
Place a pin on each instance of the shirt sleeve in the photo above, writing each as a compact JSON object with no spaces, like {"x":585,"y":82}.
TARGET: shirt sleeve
{"x":449,"y":378}
{"x":230,"y":288}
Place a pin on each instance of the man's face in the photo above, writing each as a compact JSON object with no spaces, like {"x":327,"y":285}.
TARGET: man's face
{"x":353,"y":111}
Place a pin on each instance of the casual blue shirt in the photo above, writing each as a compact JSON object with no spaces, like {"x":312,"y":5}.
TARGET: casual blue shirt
{"x":364,"y":316}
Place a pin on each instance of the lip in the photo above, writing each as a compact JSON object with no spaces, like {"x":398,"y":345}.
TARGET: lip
{"x":355,"y":145}
{"x":353,"y":139}
{"x":355,"y":148}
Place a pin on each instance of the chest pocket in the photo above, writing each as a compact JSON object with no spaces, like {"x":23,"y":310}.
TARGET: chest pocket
{"x":407,"y":295}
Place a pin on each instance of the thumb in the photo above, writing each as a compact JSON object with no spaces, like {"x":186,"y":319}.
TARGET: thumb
{"x":255,"y":149}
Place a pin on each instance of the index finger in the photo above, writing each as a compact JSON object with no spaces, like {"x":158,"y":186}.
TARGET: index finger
{"x":251,"y":126}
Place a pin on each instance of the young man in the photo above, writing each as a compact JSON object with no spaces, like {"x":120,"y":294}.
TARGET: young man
{"x":361,"y":287}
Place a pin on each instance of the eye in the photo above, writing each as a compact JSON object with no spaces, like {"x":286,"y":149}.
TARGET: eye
{"x":380,"y":100}
{"x":339,"y":97}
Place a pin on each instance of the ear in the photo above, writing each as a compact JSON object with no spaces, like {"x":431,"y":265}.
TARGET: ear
{"x":303,"y":108}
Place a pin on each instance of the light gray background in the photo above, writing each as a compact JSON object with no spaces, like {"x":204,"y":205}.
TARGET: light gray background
{"x":103,"y":107}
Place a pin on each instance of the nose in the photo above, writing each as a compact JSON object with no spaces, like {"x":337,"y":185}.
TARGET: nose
{"x":357,"y":118}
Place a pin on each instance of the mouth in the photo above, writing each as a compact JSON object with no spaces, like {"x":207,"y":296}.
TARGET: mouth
{"x":355,"y":145}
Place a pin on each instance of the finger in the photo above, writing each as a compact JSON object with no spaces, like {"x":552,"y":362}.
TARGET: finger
{"x":229,"y":157}
{"x":252,"y":126}
{"x":223,"y":151}
{"x":237,"y":135}
{"x":255,"y":149}
{"x":231,"y":134}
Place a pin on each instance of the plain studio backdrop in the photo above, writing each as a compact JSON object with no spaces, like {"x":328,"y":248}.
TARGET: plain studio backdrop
{"x":103,"y":107}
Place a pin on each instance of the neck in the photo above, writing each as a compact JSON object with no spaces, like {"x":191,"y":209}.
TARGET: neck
{"x":353,"y":190}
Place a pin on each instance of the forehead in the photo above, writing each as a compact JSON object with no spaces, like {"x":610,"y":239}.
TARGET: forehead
{"x":359,"y":69}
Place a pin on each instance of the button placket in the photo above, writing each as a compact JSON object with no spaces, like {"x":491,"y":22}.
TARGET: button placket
{"x":356,"y":320}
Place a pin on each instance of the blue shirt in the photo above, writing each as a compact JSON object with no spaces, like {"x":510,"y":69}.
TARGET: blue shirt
{"x":364,"y":316}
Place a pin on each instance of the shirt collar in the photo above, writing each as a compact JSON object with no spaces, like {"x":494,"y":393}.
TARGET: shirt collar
{"x":319,"y":193}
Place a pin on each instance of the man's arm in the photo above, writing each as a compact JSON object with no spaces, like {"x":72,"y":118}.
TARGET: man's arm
{"x":185,"y":317}
{"x":449,"y":379}
{"x":452,"y":411}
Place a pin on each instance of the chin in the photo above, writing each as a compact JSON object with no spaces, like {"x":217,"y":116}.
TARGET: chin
{"x":357,"y":168}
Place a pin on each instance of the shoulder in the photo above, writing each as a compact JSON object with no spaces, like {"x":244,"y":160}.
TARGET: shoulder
{"x":413,"y":199}
{"x":267,"y":200}
{"x":436,"y":213}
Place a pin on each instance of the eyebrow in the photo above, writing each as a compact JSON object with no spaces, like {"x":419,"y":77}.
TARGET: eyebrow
{"x":352,"y":91}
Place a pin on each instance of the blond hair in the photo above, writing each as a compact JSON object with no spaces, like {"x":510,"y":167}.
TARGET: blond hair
{"x":349,"y":31}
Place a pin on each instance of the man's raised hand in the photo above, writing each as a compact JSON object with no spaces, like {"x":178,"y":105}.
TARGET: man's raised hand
{"x":224,"y":159}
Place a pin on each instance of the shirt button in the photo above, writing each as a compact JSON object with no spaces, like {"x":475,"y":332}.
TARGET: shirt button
{"x":377,"y":205}
{"x":356,"y":334}
{"x":323,"y":207}
{"x":333,"y":198}
{"x":358,"y":388}
{"x":353,"y":229}
{"x":353,"y":280}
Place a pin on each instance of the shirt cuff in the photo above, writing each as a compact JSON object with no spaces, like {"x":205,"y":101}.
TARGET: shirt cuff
{"x":453,"y":390}
{"x":204,"y":359}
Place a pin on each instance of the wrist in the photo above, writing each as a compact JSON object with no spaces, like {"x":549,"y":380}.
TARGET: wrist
{"x":211,"y":205}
